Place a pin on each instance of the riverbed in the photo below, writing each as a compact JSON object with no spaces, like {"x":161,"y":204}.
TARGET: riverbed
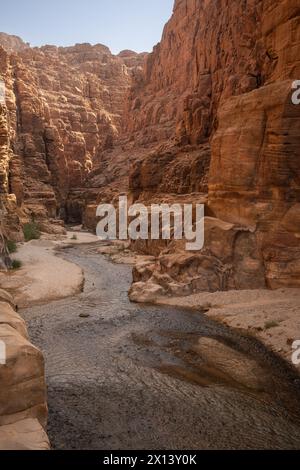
{"x":129,"y":376}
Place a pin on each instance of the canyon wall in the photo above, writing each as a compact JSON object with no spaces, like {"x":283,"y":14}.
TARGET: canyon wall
{"x":206,"y":117}
{"x":65,"y":108}
{"x":214,"y":106}
{"x":210,"y":50}
{"x":257,"y":182}
{"x":23,"y":408}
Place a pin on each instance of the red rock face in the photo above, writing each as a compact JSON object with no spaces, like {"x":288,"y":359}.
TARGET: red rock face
{"x":255,"y":169}
{"x":210,"y":50}
{"x":207,"y":115}
{"x":222,"y":77}
{"x":66,"y":107}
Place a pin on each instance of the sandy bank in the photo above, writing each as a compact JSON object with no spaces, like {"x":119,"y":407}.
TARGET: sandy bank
{"x":272,"y":316}
{"x":44,"y":276}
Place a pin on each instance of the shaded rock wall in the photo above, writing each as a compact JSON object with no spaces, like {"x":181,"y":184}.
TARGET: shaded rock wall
{"x":219,"y":86}
{"x":9,"y":213}
{"x":255,"y":169}
{"x":210,"y":50}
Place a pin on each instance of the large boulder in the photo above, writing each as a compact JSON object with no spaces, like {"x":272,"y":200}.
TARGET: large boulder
{"x":23,"y":407}
{"x":230,"y":259}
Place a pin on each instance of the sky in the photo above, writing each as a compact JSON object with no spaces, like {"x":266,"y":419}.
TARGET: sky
{"x":119,"y":24}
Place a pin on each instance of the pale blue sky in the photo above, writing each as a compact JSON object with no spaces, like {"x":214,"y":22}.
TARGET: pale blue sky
{"x":119,"y":24}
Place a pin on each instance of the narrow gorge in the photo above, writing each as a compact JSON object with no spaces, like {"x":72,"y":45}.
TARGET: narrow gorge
{"x":207,"y":118}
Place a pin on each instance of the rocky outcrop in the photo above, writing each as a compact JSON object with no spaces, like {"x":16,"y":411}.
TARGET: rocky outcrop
{"x":257,"y":184}
{"x":65,"y":108}
{"x":9,"y":218}
{"x":220,"y":82}
{"x":208,"y":114}
{"x":12,"y":43}
{"x":209,"y":51}
{"x":230,"y":259}
{"x":27,"y":434}
{"x":23,"y":409}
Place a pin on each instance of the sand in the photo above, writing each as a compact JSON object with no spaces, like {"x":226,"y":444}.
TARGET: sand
{"x":272,"y":316}
{"x":44,"y":276}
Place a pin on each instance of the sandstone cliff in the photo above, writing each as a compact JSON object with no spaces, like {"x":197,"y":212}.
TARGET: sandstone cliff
{"x":214,"y":106}
{"x":206,"y":116}
{"x":65,"y":107}
{"x":23,"y":408}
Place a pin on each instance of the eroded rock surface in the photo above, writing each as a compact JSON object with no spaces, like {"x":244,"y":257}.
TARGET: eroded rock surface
{"x":64,"y":108}
{"x":216,"y":96}
{"x":23,"y":408}
{"x":27,"y":434}
{"x":206,"y":116}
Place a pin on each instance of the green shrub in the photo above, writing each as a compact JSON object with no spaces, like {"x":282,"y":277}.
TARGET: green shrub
{"x":11,"y":246}
{"x":31,"y":231}
{"x":16,"y":264}
{"x":74,"y":237}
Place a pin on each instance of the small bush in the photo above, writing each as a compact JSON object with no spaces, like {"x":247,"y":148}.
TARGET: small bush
{"x":271,"y":324}
{"x":74,"y":237}
{"x":16,"y":264}
{"x":31,"y":231}
{"x":11,"y":246}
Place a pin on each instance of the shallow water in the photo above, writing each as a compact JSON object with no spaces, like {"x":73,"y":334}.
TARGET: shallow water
{"x":126,"y":376}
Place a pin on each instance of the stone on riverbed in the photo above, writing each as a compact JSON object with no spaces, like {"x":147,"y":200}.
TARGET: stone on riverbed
{"x":145,"y":292}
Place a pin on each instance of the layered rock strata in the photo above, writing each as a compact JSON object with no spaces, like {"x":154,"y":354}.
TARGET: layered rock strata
{"x":220,"y":82}
{"x":207,"y":117}
{"x":65,"y":108}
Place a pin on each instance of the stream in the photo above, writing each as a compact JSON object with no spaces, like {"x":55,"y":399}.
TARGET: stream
{"x":125,"y":376}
